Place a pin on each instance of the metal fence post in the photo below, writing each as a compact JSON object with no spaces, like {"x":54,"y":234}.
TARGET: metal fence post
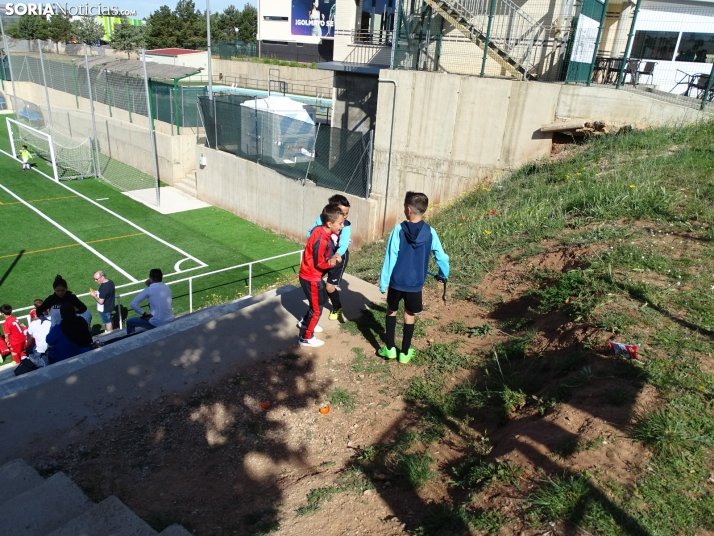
{"x":44,"y":81}
{"x":190,"y":294}
{"x":250,"y":279}
{"x":9,"y":67}
{"x":152,"y":139}
{"x":708,"y":89}
{"x":491,"y":9}
{"x":626,"y":54}
{"x":597,"y":44}
{"x":98,"y":164}
{"x":368,"y":188}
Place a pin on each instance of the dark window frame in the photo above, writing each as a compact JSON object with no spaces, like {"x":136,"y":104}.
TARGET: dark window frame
{"x":661,"y":50}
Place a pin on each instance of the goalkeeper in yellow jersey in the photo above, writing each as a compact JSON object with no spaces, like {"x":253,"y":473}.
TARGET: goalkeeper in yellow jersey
{"x":25,"y":156}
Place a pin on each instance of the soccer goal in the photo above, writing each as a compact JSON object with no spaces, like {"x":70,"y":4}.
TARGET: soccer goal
{"x":70,"y":158}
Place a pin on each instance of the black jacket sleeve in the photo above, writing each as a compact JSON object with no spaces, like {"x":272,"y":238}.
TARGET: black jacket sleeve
{"x":74,"y":300}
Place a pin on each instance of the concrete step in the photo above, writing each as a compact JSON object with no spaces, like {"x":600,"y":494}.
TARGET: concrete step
{"x":17,"y":477}
{"x":187,"y":189}
{"x":190,"y":179}
{"x":111,"y":517}
{"x":175,"y":530}
{"x":42,"y":509}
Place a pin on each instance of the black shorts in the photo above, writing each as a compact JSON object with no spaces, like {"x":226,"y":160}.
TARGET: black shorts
{"x":334,"y":274}
{"x":412,"y":301}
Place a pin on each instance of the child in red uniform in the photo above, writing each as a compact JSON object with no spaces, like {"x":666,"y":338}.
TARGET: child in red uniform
{"x":317,"y":259}
{"x":14,"y":334}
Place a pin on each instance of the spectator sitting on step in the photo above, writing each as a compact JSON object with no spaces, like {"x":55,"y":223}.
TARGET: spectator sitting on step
{"x":159,"y":296}
{"x":70,"y":337}
{"x":61,"y":295}
{"x":38,"y":330}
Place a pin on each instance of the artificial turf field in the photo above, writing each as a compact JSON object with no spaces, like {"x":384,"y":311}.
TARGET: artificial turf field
{"x":69,"y":233}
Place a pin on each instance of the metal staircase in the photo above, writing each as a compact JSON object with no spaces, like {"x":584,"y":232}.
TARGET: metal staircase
{"x":509,"y":40}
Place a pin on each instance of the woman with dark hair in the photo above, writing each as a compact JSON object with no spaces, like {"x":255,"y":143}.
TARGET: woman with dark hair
{"x":70,"y":337}
{"x":315,"y":18}
{"x":61,"y":295}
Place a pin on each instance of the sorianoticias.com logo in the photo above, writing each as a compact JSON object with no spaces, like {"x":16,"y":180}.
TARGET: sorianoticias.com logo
{"x":81,"y":10}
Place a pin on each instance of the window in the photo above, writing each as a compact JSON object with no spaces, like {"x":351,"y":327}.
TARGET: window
{"x":268,"y":17}
{"x":654,"y":45}
{"x":696,"y":47}
{"x":377,"y":16}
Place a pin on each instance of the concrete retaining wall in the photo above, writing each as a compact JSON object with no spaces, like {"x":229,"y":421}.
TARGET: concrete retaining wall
{"x":126,"y":142}
{"x":271,"y":200}
{"x":261,"y":71}
{"x":622,"y":107}
{"x":452,"y":131}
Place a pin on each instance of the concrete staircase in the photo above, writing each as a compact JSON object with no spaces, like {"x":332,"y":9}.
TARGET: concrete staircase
{"x":512,"y":36}
{"x":34,"y":506}
{"x":188,"y":184}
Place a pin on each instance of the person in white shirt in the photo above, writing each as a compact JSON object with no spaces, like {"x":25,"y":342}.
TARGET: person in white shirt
{"x":38,"y":330}
{"x":159,"y":296}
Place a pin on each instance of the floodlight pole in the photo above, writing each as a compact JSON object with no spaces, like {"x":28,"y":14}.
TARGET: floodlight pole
{"x":208,"y":40}
{"x":97,"y":163}
{"x":44,"y":81}
{"x":9,"y":65}
{"x":151,"y":130}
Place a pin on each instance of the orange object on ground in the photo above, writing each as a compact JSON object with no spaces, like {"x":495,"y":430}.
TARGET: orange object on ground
{"x":325,"y":410}
{"x":265,"y":405}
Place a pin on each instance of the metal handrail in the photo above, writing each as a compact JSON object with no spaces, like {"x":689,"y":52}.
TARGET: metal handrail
{"x":190,"y":282}
{"x":511,"y":29}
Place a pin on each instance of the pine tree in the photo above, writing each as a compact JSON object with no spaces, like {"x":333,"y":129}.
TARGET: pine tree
{"x":161,"y":27}
{"x":29,"y":27}
{"x":127,"y":37}
{"x":60,"y":29}
{"x":87,"y":30}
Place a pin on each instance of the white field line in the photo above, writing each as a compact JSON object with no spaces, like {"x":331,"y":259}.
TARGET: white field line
{"x":72,"y":236}
{"x":105,"y":209}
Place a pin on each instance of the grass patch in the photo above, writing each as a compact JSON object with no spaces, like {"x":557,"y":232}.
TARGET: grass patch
{"x":415,"y":468}
{"x":344,"y":399}
{"x":351,"y":481}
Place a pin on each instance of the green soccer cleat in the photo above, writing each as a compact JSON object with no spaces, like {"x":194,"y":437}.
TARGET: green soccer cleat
{"x":408,"y":357}
{"x":335,"y":315}
{"x":389,"y":353}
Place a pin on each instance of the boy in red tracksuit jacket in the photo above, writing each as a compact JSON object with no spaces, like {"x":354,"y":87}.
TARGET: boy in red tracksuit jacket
{"x":15,"y":336}
{"x":317,"y":259}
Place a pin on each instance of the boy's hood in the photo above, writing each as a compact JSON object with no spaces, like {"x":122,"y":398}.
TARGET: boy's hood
{"x":416,"y":234}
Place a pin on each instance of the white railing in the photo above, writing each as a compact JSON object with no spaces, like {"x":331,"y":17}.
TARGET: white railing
{"x":190,"y":284}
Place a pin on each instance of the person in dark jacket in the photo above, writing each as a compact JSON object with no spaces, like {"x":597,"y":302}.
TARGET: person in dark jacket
{"x":70,"y":337}
{"x":61,"y":295}
{"x":405,"y":269}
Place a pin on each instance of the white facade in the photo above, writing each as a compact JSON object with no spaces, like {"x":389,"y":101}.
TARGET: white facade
{"x":682,"y":26}
{"x":197,"y":59}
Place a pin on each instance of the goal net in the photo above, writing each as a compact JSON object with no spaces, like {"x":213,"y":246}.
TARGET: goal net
{"x":70,"y":158}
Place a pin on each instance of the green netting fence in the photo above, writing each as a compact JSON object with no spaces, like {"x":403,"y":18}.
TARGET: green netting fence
{"x":237,"y":49}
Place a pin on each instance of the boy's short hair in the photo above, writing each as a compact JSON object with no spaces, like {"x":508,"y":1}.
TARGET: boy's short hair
{"x":338,"y":199}
{"x":330,"y":213}
{"x":417,"y":201}
{"x":23,"y":147}
{"x":156,"y":275}
{"x":6,"y":309}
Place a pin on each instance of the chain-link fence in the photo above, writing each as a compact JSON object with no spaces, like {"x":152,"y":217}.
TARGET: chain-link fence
{"x":663,"y":49}
{"x":286,"y":138}
{"x":75,"y":98}
{"x":237,"y":49}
